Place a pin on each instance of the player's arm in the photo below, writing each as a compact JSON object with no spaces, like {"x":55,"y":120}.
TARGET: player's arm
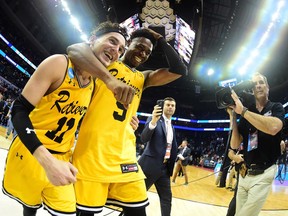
{"x":82,"y":56}
{"x":47,"y":77}
{"x":166,"y":75}
{"x":49,"y":72}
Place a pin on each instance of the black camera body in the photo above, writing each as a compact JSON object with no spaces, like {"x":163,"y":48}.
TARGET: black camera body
{"x":243,"y":90}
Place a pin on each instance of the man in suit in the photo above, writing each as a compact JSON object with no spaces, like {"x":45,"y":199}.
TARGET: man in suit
{"x":182,"y":160}
{"x":158,"y":158}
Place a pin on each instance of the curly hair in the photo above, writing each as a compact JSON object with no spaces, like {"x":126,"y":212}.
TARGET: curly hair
{"x":144,"y":33}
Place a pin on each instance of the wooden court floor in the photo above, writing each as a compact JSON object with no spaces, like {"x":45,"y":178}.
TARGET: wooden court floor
{"x":203,"y":189}
{"x":202,"y":193}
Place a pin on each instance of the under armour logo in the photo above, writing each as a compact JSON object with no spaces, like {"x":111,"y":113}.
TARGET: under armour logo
{"x":28,"y":130}
{"x":20,"y":156}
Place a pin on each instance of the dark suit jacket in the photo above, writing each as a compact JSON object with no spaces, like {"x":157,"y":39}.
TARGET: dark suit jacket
{"x":151,"y":161}
{"x":186,"y":155}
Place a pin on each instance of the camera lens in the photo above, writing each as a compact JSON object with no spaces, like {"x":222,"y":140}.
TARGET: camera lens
{"x":227,"y":100}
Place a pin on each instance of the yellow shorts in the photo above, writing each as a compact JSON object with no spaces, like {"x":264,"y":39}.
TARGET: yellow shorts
{"x":25,"y":181}
{"x":91,"y":196}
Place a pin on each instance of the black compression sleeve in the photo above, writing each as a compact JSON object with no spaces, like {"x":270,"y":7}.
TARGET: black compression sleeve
{"x":23,"y":125}
{"x":175,"y":63}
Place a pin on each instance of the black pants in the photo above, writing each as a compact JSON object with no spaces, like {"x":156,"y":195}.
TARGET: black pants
{"x":163,"y":187}
{"x":29,"y":211}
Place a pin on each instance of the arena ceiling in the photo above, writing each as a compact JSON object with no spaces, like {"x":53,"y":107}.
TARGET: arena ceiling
{"x":221,"y":25}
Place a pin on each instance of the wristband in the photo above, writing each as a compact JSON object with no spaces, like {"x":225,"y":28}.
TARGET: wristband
{"x":244,"y":110}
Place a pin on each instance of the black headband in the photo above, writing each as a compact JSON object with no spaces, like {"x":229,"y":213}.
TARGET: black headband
{"x":107,"y":30}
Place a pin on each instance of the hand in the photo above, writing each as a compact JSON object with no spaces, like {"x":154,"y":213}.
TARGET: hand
{"x":181,"y":156}
{"x":156,"y":114}
{"x":61,"y":173}
{"x":58,"y":172}
{"x":230,"y":111}
{"x":238,"y":107}
{"x":156,"y":35}
{"x":122,"y":92}
{"x":134,"y":122}
{"x":238,"y":158}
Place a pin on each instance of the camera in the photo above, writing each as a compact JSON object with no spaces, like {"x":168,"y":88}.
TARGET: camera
{"x":243,"y":90}
{"x":161,"y":104}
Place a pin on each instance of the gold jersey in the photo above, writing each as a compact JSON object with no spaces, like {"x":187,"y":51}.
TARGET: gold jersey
{"x":56,"y":116}
{"x":106,"y":146}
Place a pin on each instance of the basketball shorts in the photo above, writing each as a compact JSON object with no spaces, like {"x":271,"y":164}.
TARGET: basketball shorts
{"x":25,"y":181}
{"x":91,"y":196}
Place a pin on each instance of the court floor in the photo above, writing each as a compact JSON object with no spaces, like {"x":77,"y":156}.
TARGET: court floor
{"x":199,"y":198}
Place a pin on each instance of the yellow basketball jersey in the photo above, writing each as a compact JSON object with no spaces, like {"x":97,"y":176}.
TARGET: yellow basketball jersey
{"x":106,"y":146}
{"x":56,"y":116}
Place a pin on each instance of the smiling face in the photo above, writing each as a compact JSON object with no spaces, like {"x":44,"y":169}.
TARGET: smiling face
{"x":138,"y":52}
{"x":261,"y":88}
{"x":108,"y":47}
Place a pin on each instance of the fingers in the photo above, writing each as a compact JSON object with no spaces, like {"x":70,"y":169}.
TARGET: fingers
{"x":73,"y":170}
{"x":238,"y":107}
{"x":234,"y":95}
{"x":70,"y":178}
{"x":124,"y":94}
{"x":135,"y":118}
{"x":118,"y":96}
{"x":157,"y":111}
{"x":126,"y":106}
{"x":130,"y":95}
{"x":134,"y":122}
{"x":65,"y":175}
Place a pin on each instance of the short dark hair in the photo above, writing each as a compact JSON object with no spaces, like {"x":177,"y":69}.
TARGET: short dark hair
{"x":108,"y":26}
{"x":170,"y":99}
{"x":144,"y":33}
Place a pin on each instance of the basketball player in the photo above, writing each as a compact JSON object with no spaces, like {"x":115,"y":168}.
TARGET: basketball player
{"x":105,"y":154}
{"x":46,"y":115}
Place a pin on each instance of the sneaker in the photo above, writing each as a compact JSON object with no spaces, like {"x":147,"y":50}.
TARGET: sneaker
{"x":186,"y":183}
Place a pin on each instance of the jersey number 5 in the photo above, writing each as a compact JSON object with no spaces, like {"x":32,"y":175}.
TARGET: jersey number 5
{"x":116,"y":114}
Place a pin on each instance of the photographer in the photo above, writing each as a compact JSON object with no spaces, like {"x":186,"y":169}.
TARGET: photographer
{"x":260,"y":131}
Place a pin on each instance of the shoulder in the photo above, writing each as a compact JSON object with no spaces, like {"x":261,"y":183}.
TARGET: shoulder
{"x":53,"y":68}
{"x":275,"y":107}
{"x":147,"y":73}
{"x":53,"y":63}
{"x":57,"y":59}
